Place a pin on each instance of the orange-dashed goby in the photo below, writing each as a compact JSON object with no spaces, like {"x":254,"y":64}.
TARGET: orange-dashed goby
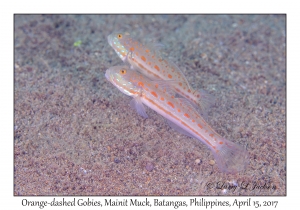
{"x":150,"y":63}
{"x":180,"y":115}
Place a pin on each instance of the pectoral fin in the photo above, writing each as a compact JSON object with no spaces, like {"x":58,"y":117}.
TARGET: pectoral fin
{"x":137,"y":104}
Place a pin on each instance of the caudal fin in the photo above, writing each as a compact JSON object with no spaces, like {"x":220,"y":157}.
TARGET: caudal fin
{"x":230,"y":157}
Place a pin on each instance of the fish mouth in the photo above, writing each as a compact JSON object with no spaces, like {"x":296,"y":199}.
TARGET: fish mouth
{"x":108,"y":75}
{"x":110,"y":39}
{"x":111,"y":77}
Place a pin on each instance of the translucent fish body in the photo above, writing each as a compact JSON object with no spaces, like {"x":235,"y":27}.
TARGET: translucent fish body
{"x":230,"y":157}
{"x":149,"y":62}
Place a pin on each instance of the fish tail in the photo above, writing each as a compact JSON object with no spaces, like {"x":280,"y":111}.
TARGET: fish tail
{"x":230,"y":157}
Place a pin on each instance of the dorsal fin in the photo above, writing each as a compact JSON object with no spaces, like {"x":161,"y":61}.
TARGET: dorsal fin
{"x":192,"y":107}
{"x":181,"y":73}
{"x":165,"y":85}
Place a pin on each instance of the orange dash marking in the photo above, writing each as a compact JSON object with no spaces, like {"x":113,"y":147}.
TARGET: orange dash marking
{"x":188,"y":116}
{"x":140,"y":65}
{"x":156,"y":67}
{"x":143,"y":58}
{"x":153,"y":93}
{"x":141,"y":84}
{"x":170,"y":76}
{"x":170,"y":104}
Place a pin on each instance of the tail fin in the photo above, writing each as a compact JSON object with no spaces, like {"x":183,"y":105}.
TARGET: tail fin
{"x":230,"y":157}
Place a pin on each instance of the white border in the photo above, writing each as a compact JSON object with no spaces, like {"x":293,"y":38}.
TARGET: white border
{"x":153,"y":6}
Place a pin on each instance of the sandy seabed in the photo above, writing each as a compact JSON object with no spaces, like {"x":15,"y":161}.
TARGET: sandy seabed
{"x":75,"y":133}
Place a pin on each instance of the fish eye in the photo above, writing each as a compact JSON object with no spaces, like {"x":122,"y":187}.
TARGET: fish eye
{"x":120,"y":36}
{"x":123,"y":71}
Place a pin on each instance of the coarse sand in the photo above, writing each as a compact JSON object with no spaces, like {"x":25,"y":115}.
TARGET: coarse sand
{"x":75,"y":133}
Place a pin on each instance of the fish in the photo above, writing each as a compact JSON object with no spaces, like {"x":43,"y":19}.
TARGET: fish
{"x":179,"y":113}
{"x":152,"y":64}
